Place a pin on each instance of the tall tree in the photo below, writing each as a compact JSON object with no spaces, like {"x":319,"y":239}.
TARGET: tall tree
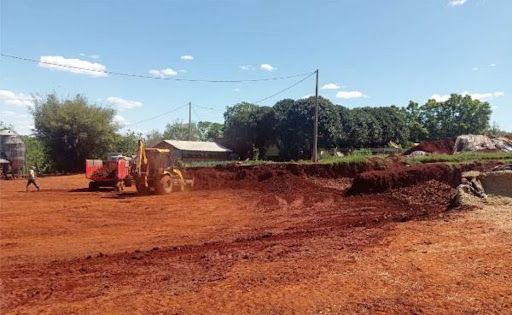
{"x":417,"y":131}
{"x":179,"y":130}
{"x":393,"y":125}
{"x":457,"y":115}
{"x":248,"y":128}
{"x":127,"y":144}
{"x":209,"y":131}
{"x":294,"y":126}
{"x":36,"y":154}
{"x":73,"y":130}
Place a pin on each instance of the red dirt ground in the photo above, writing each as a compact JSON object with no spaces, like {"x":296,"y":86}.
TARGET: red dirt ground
{"x":274,"y":244}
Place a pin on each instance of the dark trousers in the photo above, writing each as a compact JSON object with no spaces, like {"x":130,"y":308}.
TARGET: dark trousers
{"x":33,"y":182}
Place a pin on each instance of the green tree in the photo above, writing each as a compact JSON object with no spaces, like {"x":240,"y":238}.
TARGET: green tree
{"x":393,"y":125}
{"x":73,"y":130}
{"x":179,"y":130}
{"x":361,"y":129}
{"x":210,"y":131}
{"x":248,"y":129}
{"x":417,"y":131}
{"x":36,"y":154}
{"x":457,"y":115}
{"x":127,"y":144}
{"x":294,"y":127}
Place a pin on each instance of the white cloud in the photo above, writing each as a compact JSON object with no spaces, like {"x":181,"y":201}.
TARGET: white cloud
{"x":16,"y":99}
{"x":123,"y":104}
{"x":484,"y":96}
{"x":439,"y":98}
{"x":330,"y":86}
{"x":478,"y":96}
{"x":492,"y":65}
{"x":183,"y":71}
{"x":267,"y":67}
{"x":307,"y":96}
{"x":350,"y":94}
{"x":474,"y":68}
{"x":120,"y":120}
{"x":247,"y":67}
{"x":73,"y":65}
{"x":163,"y":73}
{"x":187,"y":57}
{"x":236,"y":89}
{"x":455,"y":3}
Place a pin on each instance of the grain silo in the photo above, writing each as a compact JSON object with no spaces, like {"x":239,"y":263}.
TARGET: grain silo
{"x":12,"y":150}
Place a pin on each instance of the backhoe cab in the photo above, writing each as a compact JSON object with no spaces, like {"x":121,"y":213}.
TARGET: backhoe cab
{"x":154,"y":171}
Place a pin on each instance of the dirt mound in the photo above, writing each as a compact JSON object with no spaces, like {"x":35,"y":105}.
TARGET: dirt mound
{"x":441,"y":146}
{"x":381,"y":181}
{"x":236,"y":176}
{"x":430,"y":197}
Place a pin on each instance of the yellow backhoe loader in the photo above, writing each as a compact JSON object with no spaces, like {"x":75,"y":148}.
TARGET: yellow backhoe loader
{"x":154,"y":171}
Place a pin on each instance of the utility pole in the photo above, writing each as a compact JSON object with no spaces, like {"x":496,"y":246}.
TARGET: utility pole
{"x":189,"y":121}
{"x":315,"y":132}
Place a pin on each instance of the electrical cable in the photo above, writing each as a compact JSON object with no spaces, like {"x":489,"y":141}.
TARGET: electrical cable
{"x":152,"y":77}
{"x":158,"y":116}
{"x":285,"y":89}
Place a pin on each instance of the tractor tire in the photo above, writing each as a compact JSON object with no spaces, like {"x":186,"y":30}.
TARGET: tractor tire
{"x":93,"y":186}
{"x":164,"y":186}
{"x":141,"y":189}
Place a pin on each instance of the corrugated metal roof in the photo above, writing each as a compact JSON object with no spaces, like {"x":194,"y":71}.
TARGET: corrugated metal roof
{"x":205,"y":146}
{"x":7,"y":132}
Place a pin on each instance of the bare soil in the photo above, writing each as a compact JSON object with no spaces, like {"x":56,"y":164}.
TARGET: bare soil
{"x":278,"y":243}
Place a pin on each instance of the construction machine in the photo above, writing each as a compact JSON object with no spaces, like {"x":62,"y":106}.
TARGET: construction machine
{"x":112,"y":172}
{"x":154,"y":171}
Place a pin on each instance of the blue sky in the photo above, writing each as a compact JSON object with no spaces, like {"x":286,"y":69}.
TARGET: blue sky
{"x":369,"y":53}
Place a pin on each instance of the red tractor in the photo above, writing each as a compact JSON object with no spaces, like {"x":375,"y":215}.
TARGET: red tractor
{"x":108,"y":173}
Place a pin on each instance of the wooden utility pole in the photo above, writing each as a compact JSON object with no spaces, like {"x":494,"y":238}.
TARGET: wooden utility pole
{"x":315,"y":132}
{"x":189,"y":121}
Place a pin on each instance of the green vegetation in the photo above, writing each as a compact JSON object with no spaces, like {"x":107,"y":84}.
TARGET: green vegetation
{"x":36,"y":155}
{"x":461,"y":157}
{"x":200,"y":131}
{"x":73,"y":130}
{"x":69,"y":131}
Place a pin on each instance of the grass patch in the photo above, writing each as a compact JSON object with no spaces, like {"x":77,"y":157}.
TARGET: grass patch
{"x":363,"y":156}
{"x":461,"y":157}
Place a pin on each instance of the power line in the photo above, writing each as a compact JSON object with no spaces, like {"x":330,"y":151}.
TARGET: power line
{"x":142,"y":76}
{"x":159,"y":115}
{"x":285,"y":89}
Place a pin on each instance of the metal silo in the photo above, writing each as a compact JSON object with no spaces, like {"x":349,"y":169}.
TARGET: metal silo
{"x":12,"y":149}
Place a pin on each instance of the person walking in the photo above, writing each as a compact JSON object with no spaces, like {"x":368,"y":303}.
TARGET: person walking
{"x":32,"y":178}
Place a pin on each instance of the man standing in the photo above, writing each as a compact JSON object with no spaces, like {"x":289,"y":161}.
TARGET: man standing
{"x":32,"y":178}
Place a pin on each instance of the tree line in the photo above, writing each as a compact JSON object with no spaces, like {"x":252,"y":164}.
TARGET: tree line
{"x":69,"y":131}
{"x":250,"y":129}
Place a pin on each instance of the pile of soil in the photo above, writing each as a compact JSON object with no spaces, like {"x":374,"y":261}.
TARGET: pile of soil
{"x":381,"y":181}
{"x":237,"y":176}
{"x":441,"y":146}
{"x":430,"y":197}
